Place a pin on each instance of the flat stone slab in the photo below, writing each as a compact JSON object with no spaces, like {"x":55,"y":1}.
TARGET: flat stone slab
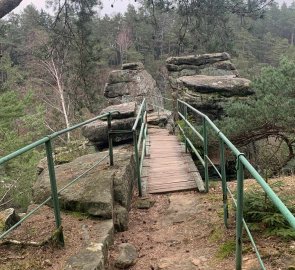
{"x":227,"y":86}
{"x":95,"y":254}
{"x":197,"y":60}
{"x":158,"y":118}
{"x":130,"y":84}
{"x":125,"y":110}
{"x":133,"y":66}
{"x":97,"y":131}
{"x":93,"y":192}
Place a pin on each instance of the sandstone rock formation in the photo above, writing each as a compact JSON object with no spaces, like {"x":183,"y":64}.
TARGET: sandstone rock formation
{"x":95,"y":254}
{"x":208,"y":82}
{"x":204,"y":64}
{"x":131,"y":83}
{"x":99,"y":192}
{"x":8,"y":218}
{"x":125,"y":91}
{"x":97,"y":131}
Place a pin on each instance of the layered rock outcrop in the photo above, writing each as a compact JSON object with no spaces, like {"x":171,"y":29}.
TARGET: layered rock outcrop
{"x":204,"y":64}
{"x":208,"y":82}
{"x":103,"y":192}
{"x":125,"y":91}
{"x":97,"y":131}
{"x":131,"y":83}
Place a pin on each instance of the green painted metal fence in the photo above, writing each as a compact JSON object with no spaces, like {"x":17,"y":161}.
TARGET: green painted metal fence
{"x":242,"y":164}
{"x":140,"y":141}
{"x":50,"y":164}
{"x":139,"y":131}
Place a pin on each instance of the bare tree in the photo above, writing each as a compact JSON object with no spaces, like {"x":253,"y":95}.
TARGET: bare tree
{"x":54,"y":67}
{"x":7,"y":6}
{"x":124,"y":41}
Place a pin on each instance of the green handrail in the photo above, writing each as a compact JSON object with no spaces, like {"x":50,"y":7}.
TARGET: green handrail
{"x":242,"y":164}
{"x":50,"y":164}
{"x":140,"y":141}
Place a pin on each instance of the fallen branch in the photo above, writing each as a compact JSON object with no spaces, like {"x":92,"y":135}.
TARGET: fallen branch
{"x":54,"y":239}
{"x":24,"y":243}
{"x":12,"y":258}
{"x":5,"y":194}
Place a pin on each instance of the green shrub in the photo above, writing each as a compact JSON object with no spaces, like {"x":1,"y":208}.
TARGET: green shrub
{"x":259,"y":210}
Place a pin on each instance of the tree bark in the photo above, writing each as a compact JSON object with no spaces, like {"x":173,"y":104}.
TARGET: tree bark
{"x":8,"y":5}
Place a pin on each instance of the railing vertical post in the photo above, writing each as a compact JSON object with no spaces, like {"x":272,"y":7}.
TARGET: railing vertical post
{"x":110,"y":139}
{"x":145,"y":109}
{"x":185,"y":129}
{"x":158,"y":107}
{"x":239,"y":215}
{"x":224,"y":184}
{"x":54,"y":194}
{"x":205,"y":147}
{"x":175,"y":111}
{"x":145,"y":130}
{"x":137,"y":163}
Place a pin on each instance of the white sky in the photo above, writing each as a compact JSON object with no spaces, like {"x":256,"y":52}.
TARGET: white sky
{"x":119,"y":5}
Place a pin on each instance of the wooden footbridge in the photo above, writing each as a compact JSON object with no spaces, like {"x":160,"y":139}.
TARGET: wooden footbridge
{"x":169,"y":169}
{"x":163,"y":164}
{"x":169,"y":166}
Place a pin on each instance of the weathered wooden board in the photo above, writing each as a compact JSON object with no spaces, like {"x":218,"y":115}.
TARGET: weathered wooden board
{"x":169,"y":168}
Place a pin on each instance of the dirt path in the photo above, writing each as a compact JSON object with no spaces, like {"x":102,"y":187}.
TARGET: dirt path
{"x":185,"y":231}
{"x":178,"y":232}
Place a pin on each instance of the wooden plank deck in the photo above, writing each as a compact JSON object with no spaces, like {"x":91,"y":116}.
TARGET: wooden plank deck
{"x":169,"y":167}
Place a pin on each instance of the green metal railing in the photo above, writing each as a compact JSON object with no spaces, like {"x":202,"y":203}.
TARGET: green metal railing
{"x":183,"y":110}
{"x":140,"y":141}
{"x":139,"y":131}
{"x":50,"y":164}
{"x":242,"y":164}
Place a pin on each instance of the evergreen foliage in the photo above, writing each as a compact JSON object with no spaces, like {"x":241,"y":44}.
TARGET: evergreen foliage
{"x":270,"y":114}
{"x":20,"y":124}
{"x":259,"y":210}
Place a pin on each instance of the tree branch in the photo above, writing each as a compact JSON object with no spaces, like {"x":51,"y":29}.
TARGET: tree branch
{"x":7,"y":6}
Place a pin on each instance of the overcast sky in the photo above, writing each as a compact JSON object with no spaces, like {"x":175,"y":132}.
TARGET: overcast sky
{"x":119,"y":5}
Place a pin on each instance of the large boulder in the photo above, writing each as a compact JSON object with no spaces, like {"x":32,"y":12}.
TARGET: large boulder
{"x":127,"y":256}
{"x":198,"y":60}
{"x":124,"y":110}
{"x":95,"y":255}
{"x":97,"y":131}
{"x":211,"y":94}
{"x":207,"y":64}
{"x":131,"y":83}
{"x":8,"y":218}
{"x":208,"y":82}
{"x":95,"y":191}
{"x":226,"y":86}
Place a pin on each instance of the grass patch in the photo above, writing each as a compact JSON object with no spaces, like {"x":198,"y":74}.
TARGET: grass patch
{"x":226,"y":249}
{"x":77,"y":214}
{"x":216,"y":235}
